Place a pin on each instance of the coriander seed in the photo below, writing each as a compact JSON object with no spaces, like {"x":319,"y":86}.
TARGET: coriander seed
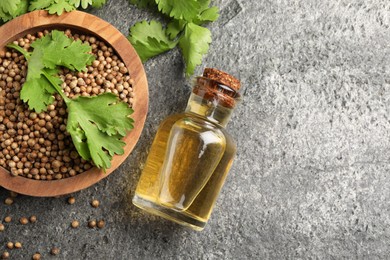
{"x":55,"y":251}
{"x":95,"y":203}
{"x":7,"y":219}
{"x":33,"y":219}
{"x":18,"y":245}
{"x":8,"y":201}
{"x":23,"y":221}
{"x":1,"y":227}
{"x":92,"y":223}
{"x":75,"y":224}
{"x":71,"y":200}
{"x":5,"y":255}
{"x":101,"y":224}
{"x":10,"y":245}
{"x":36,"y":256}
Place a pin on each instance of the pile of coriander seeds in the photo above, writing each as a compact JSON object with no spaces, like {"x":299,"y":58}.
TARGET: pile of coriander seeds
{"x":36,"y":145}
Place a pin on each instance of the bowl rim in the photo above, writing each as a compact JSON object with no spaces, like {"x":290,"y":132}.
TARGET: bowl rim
{"x":91,"y":25}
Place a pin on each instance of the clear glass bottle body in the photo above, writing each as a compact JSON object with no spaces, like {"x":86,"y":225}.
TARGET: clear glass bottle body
{"x":188,"y":163}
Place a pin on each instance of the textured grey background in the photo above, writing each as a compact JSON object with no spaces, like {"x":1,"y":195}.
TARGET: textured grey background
{"x":311,"y":179}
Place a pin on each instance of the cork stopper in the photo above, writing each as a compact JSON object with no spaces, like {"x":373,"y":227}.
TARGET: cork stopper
{"x":222,"y":77}
{"x":219,"y":87}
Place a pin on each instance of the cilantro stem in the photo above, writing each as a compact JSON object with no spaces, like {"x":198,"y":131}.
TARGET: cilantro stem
{"x":56,"y":87}
{"x":25,"y":53}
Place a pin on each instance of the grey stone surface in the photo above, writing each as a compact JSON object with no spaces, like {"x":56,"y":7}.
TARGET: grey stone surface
{"x":311,"y":179}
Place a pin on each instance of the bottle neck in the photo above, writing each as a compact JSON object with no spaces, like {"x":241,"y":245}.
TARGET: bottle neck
{"x":210,"y":110}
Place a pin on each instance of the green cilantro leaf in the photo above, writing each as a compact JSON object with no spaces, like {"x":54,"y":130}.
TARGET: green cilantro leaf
{"x":206,"y":13}
{"x":61,"y":51}
{"x":38,"y":93}
{"x":209,"y":15}
{"x":204,"y":4}
{"x":35,"y":63}
{"x":83,"y":3}
{"x":52,"y":50}
{"x":175,"y":27}
{"x":53,"y":6}
{"x":22,"y":8}
{"x":150,"y":39}
{"x":4,"y":16}
{"x":9,"y":6}
{"x":59,"y":6}
{"x":11,"y":9}
{"x":98,"y":3}
{"x":39,"y":4}
{"x":96,"y":125}
{"x":179,"y":9}
{"x":143,"y":3}
{"x":194,"y":43}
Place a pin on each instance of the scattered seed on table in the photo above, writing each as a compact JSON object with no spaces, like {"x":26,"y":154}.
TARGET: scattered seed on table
{"x":101,"y":224}
{"x":55,"y":251}
{"x":71,"y":200}
{"x":18,"y":245}
{"x":75,"y":224}
{"x":33,"y":219}
{"x":23,"y":221}
{"x":8,"y":201}
{"x":36,"y":256}
{"x":92,"y":223}
{"x":10,"y":245}
{"x":7,"y":219}
{"x":5,"y":255}
{"x":95,"y":203}
{"x":2,"y":227}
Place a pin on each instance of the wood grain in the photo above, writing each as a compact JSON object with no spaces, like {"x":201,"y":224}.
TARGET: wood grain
{"x":90,"y":25}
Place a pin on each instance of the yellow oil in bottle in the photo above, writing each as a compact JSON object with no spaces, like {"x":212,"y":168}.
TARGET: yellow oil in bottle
{"x":186,"y":167}
{"x":188,"y":162}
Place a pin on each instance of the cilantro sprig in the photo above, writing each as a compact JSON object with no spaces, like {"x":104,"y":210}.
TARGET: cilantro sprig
{"x":59,"y":6}
{"x":96,"y":124}
{"x":9,"y":9}
{"x":185,"y":30}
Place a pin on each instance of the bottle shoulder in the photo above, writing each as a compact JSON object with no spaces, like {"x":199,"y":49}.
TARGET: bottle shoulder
{"x":198,"y":124}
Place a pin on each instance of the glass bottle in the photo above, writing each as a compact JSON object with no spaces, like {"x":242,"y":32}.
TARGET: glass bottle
{"x":191,"y":154}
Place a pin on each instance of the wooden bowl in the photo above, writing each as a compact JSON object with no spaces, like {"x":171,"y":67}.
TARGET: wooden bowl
{"x":90,"y":25}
